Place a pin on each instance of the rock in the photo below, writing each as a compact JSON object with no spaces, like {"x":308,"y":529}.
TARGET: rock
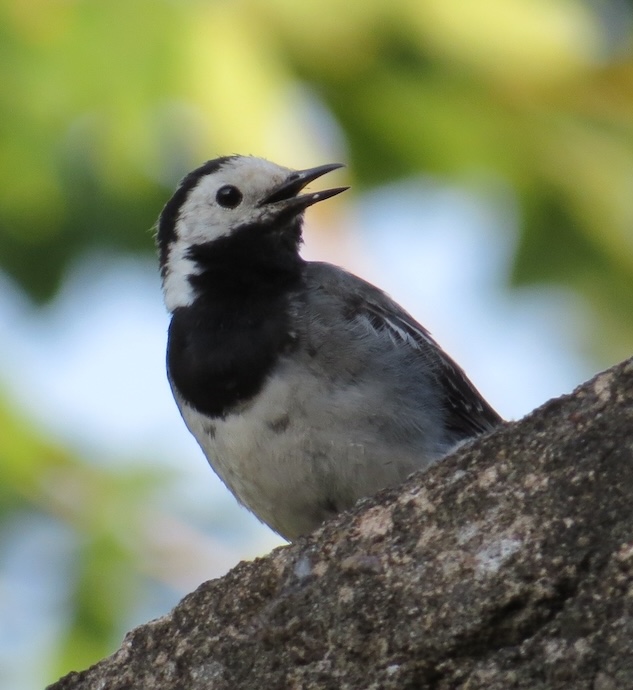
{"x":508,"y":565}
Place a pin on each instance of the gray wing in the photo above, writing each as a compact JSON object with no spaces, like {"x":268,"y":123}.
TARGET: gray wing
{"x":467,"y":412}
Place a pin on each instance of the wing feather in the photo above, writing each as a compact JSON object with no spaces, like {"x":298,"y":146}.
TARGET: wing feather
{"x":468,"y":413}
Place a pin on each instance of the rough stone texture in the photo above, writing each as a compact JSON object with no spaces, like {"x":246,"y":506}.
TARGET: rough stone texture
{"x":509,"y":565}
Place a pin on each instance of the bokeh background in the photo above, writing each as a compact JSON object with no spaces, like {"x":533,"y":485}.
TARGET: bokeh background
{"x":489,"y":146}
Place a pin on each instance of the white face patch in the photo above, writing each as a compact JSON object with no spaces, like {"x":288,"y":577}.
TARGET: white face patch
{"x":202,"y":219}
{"x":177,"y":290}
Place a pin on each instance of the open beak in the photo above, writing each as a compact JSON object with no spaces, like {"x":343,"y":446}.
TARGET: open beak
{"x":286,"y":197}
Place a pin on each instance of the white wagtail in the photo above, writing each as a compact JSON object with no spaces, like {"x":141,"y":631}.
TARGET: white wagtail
{"x":306,"y":387}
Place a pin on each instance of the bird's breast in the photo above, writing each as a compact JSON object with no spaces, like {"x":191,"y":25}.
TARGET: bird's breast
{"x":220,"y":355}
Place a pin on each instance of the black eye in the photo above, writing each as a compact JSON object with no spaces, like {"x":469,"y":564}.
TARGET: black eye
{"x":228,"y":196}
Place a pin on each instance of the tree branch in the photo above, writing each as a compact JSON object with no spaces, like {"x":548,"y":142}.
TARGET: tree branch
{"x":508,"y":565}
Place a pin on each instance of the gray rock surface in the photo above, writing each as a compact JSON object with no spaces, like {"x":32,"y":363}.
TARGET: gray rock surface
{"x":509,"y":565}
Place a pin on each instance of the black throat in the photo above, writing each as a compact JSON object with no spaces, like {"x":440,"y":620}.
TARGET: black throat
{"x":222,"y":347}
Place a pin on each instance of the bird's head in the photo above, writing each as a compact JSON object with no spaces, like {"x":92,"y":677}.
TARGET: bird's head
{"x":232,"y":208}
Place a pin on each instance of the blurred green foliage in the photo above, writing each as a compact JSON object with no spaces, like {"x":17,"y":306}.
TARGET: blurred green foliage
{"x":106,"y":511}
{"x":104,"y":105}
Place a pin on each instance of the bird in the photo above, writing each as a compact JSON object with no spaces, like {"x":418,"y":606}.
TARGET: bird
{"x":306,"y":387}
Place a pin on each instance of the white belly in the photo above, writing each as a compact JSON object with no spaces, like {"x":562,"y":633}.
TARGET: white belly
{"x":300,"y":451}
